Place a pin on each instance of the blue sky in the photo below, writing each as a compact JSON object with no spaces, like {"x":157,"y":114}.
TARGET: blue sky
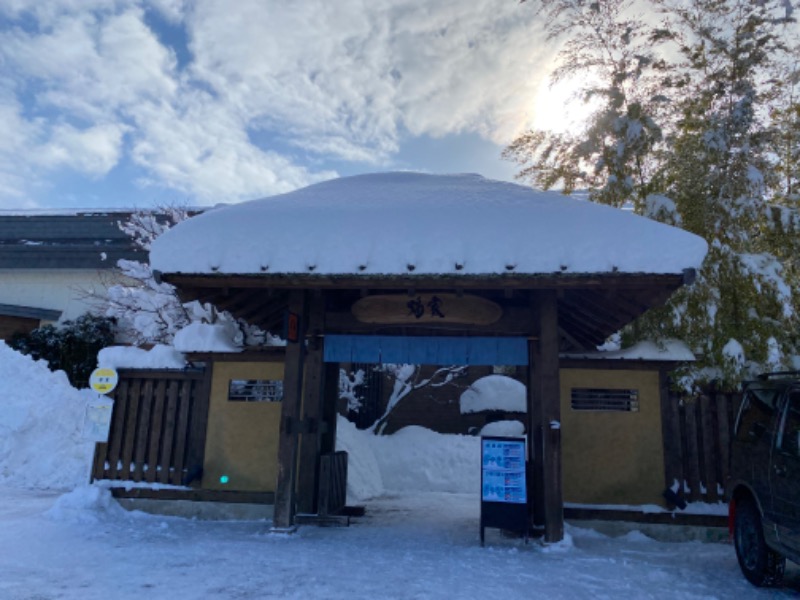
{"x":137,"y":103}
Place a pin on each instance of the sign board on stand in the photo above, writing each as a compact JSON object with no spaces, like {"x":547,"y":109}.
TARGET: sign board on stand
{"x":97,"y":418}
{"x":504,"y":500}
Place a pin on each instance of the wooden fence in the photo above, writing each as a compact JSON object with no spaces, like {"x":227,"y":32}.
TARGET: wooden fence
{"x":697,"y":434}
{"x":159,"y":420}
{"x":158,"y":428}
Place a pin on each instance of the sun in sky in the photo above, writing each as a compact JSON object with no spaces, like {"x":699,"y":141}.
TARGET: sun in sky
{"x":560,"y":108}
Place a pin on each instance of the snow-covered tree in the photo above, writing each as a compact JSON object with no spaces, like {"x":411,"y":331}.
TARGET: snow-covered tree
{"x":146,"y":311}
{"x":348,"y":388}
{"x":711,"y":158}
{"x":609,"y":49}
{"x":149,"y":312}
{"x":407,"y":379}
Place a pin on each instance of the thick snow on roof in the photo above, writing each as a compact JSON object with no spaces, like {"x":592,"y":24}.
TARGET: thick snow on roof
{"x":667,"y":350}
{"x":419,"y":224}
{"x":494,"y":392}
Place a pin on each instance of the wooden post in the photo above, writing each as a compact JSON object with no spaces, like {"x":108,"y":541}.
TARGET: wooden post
{"x":283,"y":517}
{"x":307,"y":469}
{"x":544,"y":399}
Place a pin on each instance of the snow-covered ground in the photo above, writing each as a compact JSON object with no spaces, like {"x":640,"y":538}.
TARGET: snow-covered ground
{"x":422,"y":542}
{"x":420,"y":545}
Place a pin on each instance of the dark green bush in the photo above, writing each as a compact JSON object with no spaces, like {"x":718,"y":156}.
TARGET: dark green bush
{"x":71,"y":346}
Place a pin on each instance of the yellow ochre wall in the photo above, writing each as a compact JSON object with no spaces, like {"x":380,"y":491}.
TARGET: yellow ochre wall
{"x":612,"y":457}
{"x":242,"y":439}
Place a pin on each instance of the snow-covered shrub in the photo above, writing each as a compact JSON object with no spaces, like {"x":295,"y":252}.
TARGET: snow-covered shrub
{"x":71,"y":346}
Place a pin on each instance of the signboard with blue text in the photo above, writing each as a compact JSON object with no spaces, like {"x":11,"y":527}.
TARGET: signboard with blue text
{"x":504,"y":499}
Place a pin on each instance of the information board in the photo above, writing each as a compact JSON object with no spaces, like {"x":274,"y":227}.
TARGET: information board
{"x":504,"y":497}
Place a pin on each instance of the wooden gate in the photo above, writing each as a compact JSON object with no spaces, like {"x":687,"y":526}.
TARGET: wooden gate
{"x":158,"y":428}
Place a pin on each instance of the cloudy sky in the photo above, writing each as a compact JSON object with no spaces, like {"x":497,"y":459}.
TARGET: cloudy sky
{"x":133,"y":103}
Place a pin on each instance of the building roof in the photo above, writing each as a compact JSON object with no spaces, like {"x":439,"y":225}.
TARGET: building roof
{"x":399,"y":233}
{"x":29,"y":312}
{"x":77,"y":240}
{"x":415,"y":225}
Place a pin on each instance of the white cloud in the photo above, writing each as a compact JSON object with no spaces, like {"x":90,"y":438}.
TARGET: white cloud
{"x":171,"y":10}
{"x":339,"y":81}
{"x":94,"y":66}
{"x":203,"y":149}
{"x":19,"y":135}
{"x":93,"y":151}
{"x":344,"y":79}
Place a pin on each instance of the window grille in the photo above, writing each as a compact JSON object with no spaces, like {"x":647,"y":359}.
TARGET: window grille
{"x":600,"y":399}
{"x":255,"y":390}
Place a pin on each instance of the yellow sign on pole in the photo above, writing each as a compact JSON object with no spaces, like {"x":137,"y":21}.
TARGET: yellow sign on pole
{"x":103,"y":381}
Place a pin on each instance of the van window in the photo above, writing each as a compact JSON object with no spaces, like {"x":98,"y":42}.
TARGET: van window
{"x":789,"y":434}
{"x":755,"y":414}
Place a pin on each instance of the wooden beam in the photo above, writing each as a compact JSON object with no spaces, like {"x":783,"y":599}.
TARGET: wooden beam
{"x":570,"y":339}
{"x":593,"y":315}
{"x":587,"y":337}
{"x":313,"y":388}
{"x":515,"y":320}
{"x":283,"y":517}
{"x":439,"y":282}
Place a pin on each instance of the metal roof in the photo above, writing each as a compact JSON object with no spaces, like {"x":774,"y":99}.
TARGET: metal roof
{"x":86,"y":240}
{"x":29,"y":312}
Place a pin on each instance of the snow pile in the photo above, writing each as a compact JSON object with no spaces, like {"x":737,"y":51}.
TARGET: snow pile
{"x":86,"y":504}
{"x":223,"y":336}
{"x":504,"y":429}
{"x":129,"y":357}
{"x":364,"y":479}
{"x":494,"y":392}
{"x":412,"y":459}
{"x":416,"y":458}
{"x":461,"y":225}
{"x":41,"y":425}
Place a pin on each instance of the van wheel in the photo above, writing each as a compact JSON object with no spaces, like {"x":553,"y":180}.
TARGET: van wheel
{"x":760,"y":565}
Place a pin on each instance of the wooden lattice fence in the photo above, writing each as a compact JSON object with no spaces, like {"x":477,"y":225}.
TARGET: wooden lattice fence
{"x":158,"y":428}
{"x":697,"y":435}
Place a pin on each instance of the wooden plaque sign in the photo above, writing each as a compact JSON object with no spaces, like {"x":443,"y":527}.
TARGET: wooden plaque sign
{"x":402,"y":309}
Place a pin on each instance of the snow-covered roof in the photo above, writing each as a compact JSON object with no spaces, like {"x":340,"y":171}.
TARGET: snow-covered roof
{"x":418,"y":224}
{"x":667,"y":351}
{"x":64,"y":240}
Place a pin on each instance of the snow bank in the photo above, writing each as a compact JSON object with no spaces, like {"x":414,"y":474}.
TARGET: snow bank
{"x":87,"y":504}
{"x":413,"y":459}
{"x":41,"y":425}
{"x":416,"y":458}
{"x":364,"y":479}
{"x":494,"y":392}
